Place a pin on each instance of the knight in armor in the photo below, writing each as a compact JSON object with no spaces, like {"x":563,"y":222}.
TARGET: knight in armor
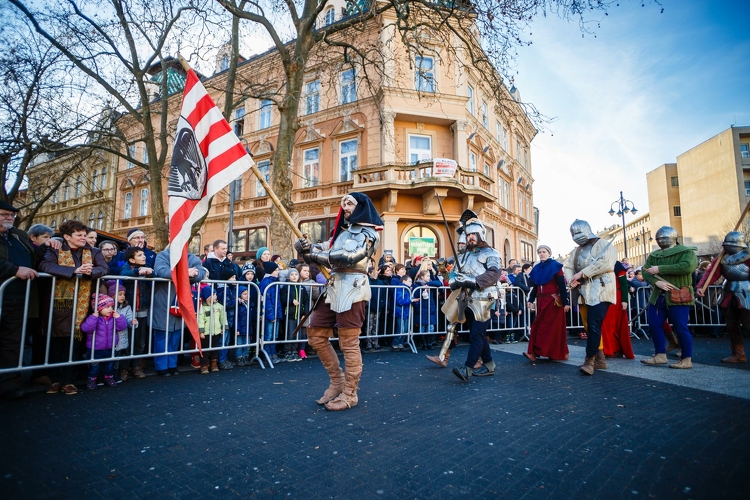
{"x":670,"y":269}
{"x":735,"y":294}
{"x":355,"y":239}
{"x":475,"y":286}
{"x":589,"y":271}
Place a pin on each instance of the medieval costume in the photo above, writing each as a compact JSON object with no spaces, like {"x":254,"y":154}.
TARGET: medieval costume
{"x":735,"y":294}
{"x":669,"y":271}
{"x":616,"y":328}
{"x":548,"y":336}
{"x":589,"y":271}
{"x":355,"y":239}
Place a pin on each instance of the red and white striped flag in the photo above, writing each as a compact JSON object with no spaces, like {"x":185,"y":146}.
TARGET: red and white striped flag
{"x":207,"y":156}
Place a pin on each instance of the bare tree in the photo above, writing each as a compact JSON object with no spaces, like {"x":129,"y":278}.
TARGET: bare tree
{"x":124,"y":49}
{"x":480,"y":35}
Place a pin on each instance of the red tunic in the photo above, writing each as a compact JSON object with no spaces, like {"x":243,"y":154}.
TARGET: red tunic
{"x":615,"y":327}
{"x":548,"y":336}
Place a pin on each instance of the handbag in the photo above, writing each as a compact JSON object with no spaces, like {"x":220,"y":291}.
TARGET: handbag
{"x":680,"y":295}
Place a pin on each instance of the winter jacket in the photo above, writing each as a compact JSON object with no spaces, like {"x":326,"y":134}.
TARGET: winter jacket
{"x":246,"y":318}
{"x":212,"y":320}
{"x":290,"y":292}
{"x":119,"y":260}
{"x":104,"y":330}
{"x":123,"y":336}
{"x":164,"y":292}
{"x":427,"y":307}
{"x":379,"y":297}
{"x":221,"y":269}
{"x":676,"y":266}
{"x":273,"y":309}
{"x":402,"y":301}
{"x":143,"y":302}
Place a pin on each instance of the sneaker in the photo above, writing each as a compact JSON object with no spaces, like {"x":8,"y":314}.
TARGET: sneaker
{"x":376,"y":348}
{"x":302,"y":354}
{"x":110,"y":381}
{"x":138,"y":372}
{"x":174,"y":371}
{"x":123,"y":374}
{"x":69,"y":389}
{"x":483,"y":371}
{"x":53,"y":388}
{"x":195,"y":361}
{"x":241,"y":361}
{"x":513,"y":340}
{"x":368,"y":347}
{"x":292,"y":358}
{"x":204,"y":370}
{"x":226,"y":365}
{"x":90,"y":384}
{"x":396,"y":347}
{"x":163,"y":373}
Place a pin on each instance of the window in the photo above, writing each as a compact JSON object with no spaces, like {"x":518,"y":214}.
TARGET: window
{"x":238,"y":188}
{"x":747,"y":188}
{"x":79,"y":183}
{"x":520,"y":203}
{"x":330,"y":16}
{"x":91,"y":220}
{"x":145,"y":154}
{"x":239,"y":121}
{"x":470,"y":94}
{"x":256,"y":238}
{"x":131,"y":155}
{"x":347,"y":159}
{"x":66,"y":190}
{"x":54,"y":196}
{"x":239,"y":241}
{"x":505,"y":140}
{"x":675,"y":181}
{"x":348,"y":86}
{"x":310,"y":167}
{"x":425,"y":76}
{"x":312,"y":96}
{"x":506,"y":194}
{"x":54,"y":224}
{"x":225,"y":63}
{"x":518,"y":151}
{"x":486,"y":169}
{"x":485,"y":119}
{"x":103,"y":178}
{"x":528,"y":207}
{"x":264,"y":167}
{"x":95,"y":181}
{"x":127,"y":211}
{"x":319,"y":230}
{"x":472,"y":161}
{"x":499,"y":132}
{"x":676,"y":211}
{"x":265,"y":113}
{"x":144,"y":202}
{"x":420,"y":148}
{"x":745,"y":150}
{"x":100,"y":221}
{"x":526,"y":159}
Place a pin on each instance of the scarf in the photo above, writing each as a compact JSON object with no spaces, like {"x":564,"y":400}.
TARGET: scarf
{"x":65,"y":289}
{"x":543,"y":272}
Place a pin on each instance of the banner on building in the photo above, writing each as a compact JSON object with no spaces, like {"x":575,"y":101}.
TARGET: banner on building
{"x":444,"y":167}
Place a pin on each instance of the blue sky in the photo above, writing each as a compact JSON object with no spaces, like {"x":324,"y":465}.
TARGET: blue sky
{"x":647,"y":88}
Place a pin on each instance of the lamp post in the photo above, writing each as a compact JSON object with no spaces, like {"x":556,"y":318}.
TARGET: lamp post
{"x":643,"y":237}
{"x":623,"y":206}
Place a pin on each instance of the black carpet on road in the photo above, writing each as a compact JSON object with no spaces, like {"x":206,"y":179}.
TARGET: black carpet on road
{"x":531,"y":431}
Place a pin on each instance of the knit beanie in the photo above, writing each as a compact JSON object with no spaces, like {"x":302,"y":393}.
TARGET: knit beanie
{"x":100,"y":301}
{"x":135,"y":232}
{"x":260,"y":252}
{"x":269,"y":267}
{"x":247,"y":267}
{"x":114,"y":287}
{"x":207,"y":292}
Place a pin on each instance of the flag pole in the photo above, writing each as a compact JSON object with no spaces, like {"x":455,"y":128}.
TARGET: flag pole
{"x":268,"y":189}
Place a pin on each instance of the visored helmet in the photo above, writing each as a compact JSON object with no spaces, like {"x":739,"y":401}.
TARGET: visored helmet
{"x":476,"y":226}
{"x":666,"y":237}
{"x":581,"y":232}
{"x":734,"y":242}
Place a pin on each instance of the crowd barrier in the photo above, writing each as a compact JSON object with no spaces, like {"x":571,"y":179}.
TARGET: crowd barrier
{"x":424,"y":322}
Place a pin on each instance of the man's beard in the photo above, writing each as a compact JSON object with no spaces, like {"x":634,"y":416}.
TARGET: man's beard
{"x":7,"y":225}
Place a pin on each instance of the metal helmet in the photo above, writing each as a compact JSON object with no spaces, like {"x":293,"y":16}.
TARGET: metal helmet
{"x":476,"y":226}
{"x":461,"y":242}
{"x":666,"y":237}
{"x":734,"y":242}
{"x":581,"y":232}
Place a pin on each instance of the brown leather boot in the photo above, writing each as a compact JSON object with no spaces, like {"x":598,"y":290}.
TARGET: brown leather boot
{"x":587,"y":368}
{"x":600,"y":362}
{"x":318,"y":339}
{"x":436,"y":359}
{"x":214,"y":365}
{"x":349,"y":344}
{"x":738,"y":355}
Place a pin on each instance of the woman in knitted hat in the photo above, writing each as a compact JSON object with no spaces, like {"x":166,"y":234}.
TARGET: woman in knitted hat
{"x":548,"y":335}
{"x":101,"y":333}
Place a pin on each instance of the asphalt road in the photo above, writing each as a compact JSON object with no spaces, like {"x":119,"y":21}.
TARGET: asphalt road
{"x":532,"y":431}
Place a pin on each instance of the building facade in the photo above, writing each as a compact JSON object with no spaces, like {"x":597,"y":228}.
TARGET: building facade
{"x":377,"y":135}
{"x":704,"y":193}
{"x":637,"y":237}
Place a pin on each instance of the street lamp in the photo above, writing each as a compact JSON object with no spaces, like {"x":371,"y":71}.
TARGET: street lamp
{"x":623,"y":206}
{"x":643,"y":236}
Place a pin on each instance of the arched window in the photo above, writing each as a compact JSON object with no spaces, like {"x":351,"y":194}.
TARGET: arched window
{"x":91,"y":220}
{"x":54,"y":224}
{"x":419,"y":240}
{"x":79,"y":183}
{"x":330,"y":16}
{"x":225,"y":63}
{"x":100,"y":221}
{"x":66,"y":190}
{"x":94,"y":181}
{"x":104,"y":179}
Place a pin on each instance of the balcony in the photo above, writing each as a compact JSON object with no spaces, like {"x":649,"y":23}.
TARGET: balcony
{"x":379,"y":179}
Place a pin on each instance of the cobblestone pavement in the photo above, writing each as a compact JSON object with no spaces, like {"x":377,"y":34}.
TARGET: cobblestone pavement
{"x":532,"y":431}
